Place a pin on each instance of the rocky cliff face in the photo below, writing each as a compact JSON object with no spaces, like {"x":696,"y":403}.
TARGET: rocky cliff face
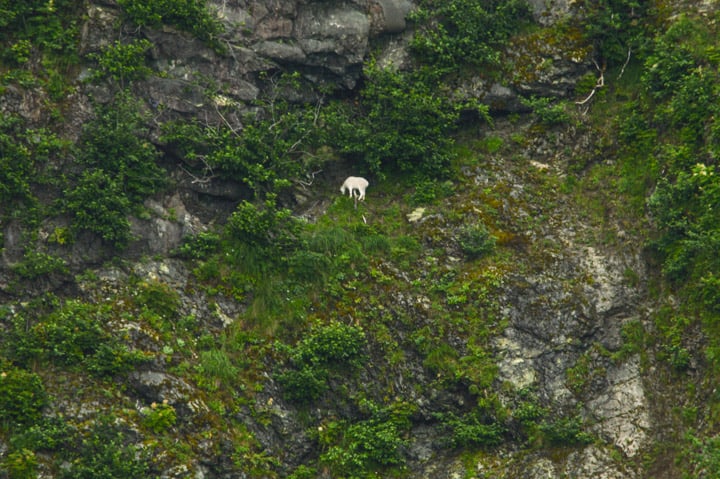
{"x":563,"y":309}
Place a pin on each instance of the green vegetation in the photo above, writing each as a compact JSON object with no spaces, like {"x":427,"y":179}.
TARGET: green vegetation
{"x":50,"y":26}
{"x":105,"y":454}
{"x":403,"y":125}
{"x":464,"y":32}
{"x":73,"y":334}
{"x":187,"y":15}
{"x":335,"y":350}
{"x":328,"y":314}
{"x":359,"y":449}
{"x":22,"y":396}
{"x":122,"y":63}
{"x":615,"y":28}
{"x":120,"y":171}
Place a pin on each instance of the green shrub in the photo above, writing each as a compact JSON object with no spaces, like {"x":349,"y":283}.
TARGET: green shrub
{"x":118,"y":143}
{"x":355,"y":450}
{"x":49,"y":26}
{"x":547,"y":114}
{"x":305,"y":384}
{"x":303,"y":472}
{"x":404,"y":124}
{"x":704,"y":456}
{"x":674,"y":55}
{"x":566,"y":431}
{"x":479,"y":427}
{"x":265,"y":226}
{"x":47,"y":434}
{"x":105,"y":452}
{"x":187,"y":15}
{"x":476,"y":241}
{"x":120,"y":171}
{"x":36,"y":264}
{"x":98,"y":204}
{"x":615,"y":28}
{"x":686,"y":216}
{"x":333,"y":349}
{"x":22,"y":396}
{"x":75,"y":334}
{"x":21,"y":464}
{"x":454,"y":33}
{"x":335,"y":344}
{"x":429,"y":190}
{"x":265,"y":155}
{"x":159,"y":417}
{"x":121,"y":62}
{"x":200,"y":246}
{"x":157,"y":298}
{"x":17,"y":165}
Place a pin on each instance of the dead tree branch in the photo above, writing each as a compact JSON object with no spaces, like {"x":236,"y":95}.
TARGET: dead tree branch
{"x":599,"y":84}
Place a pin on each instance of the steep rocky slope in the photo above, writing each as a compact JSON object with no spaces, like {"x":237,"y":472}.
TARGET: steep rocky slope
{"x":488,"y":324}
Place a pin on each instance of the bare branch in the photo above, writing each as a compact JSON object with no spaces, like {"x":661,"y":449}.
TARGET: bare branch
{"x":227,"y":123}
{"x":207,"y":176}
{"x":598,"y":84}
{"x":311,"y":177}
{"x":627,"y":60}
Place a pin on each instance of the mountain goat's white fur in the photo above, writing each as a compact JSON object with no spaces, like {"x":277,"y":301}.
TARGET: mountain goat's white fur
{"x":353,"y":183}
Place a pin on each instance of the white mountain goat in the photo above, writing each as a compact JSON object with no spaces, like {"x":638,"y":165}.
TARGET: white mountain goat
{"x":352,"y":184}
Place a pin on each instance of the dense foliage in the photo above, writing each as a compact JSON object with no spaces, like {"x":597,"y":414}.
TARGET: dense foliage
{"x":616,"y":28}
{"x":454,"y":33}
{"x":403,"y":124}
{"x":187,"y":15}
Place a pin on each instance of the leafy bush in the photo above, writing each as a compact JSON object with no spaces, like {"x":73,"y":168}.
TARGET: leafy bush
{"x":473,"y":429}
{"x":200,"y":246}
{"x":22,"y":396}
{"x":704,"y":456}
{"x":685,"y":213}
{"x":335,"y":344}
{"x":454,"y":33}
{"x":21,"y":464}
{"x":158,"y":298}
{"x":121,"y":62}
{"x":304,"y":384}
{"x":265,"y":155}
{"x":105,"y":453}
{"x":404,"y":124}
{"x":335,"y":347}
{"x":17,"y":165}
{"x":614,"y":27}
{"x":73,"y":335}
{"x":476,"y":241}
{"x":187,"y":15}
{"x":118,"y":143}
{"x":303,"y":472}
{"x":98,"y":204}
{"x":354,"y":450}
{"x":51,"y":26}
{"x":35,"y":264}
{"x":547,"y":113}
{"x":120,"y":171}
{"x":260,"y":226}
{"x":566,"y":431}
{"x":674,"y":55}
{"x":159,"y":417}
{"x":47,"y":434}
